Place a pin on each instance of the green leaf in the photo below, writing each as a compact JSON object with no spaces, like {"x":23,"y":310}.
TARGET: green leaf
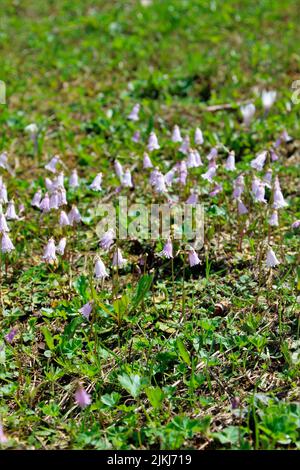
{"x":111,"y":399}
{"x":131,"y":383}
{"x":142,"y":289}
{"x":155,"y":396}
{"x":183,"y":352}
{"x":48,"y":338}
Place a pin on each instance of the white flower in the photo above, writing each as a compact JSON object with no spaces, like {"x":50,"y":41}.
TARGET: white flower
{"x":268,"y":99}
{"x":271,"y":260}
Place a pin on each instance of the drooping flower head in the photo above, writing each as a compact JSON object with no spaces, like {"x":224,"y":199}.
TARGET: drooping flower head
{"x":50,"y":252}
{"x":278,"y":199}
{"x":36,"y":200}
{"x":271,"y":260}
{"x":61,"y":246}
{"x":153,"y":142}
{"x":6,"y":244}
{"x":118,"y":169}
{"x":3,"y":224}
{"x":147,"y":161}
{"x":198,"y":139}
{"x":118,"y":259}
{"x":268,"y":99}
{"x":247,"y":111}
{"x":193,"y":258}
{"x":74,"y":180}
{"x":273,"y":220}
{"x":136,"y":137}
{"x":238,"y":187}
{"x":185,"y":145}
{"x":74,"y":215}
{"x":242,"y":209}
{"x":167,"y":251}
{"x":259,"y":161}
{"x":134,"y":114}
{"x":45,"y":204}
{"x":107,"y":239}
{"x":230,"y":162}
{"x":9,"y":337}
{"x":64,"y":219}
{"x":127,"y":179}
{"x":82,"y":398}
{"x":96,"y":184}
{"x":86,"y":309}
{"x":176,"y":136}
{"x":159,"y":185}
{"x":51,"y":166}
{"x":209,"y":174}
{"x":100,"y":270}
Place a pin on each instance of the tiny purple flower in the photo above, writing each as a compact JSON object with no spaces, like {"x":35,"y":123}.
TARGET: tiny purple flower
{"x":82,"y":398}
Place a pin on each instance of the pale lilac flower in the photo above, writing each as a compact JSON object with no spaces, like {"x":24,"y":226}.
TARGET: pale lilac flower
{"x":212,"y":163}
{"x":169,"y":176}
{"x":192,"y":199}
{"x":60,"y":180}
{"x":267,"y":179}
{"x":259,"y":194}
{"x":64,"y":219}
{"x":182,"y":169}
{"x":3,"y":438}
{"x":216,"y":190}
{"x":212,"y":154}
{"x":127,"y":179}
{"x":4,"y":161}
{"x":247,"y":111}
{"x":11,"y":212}
{"x":6,"y":244}
{"x":86,"y":309}
{"x":118,"y":169}
{"x":286,"y":137}
{"x":147,"y":161}
{"x":118,"y":259}
{"x":153,"y":176}
{"x":197,"y":158}
{"x":271,"y":260}
{"x":45,"y":204}
{"x":49,"y":184}
{"x":211,"y":172}
{"x":61,"y":246}
{"x":134,"y":115}
{"x":255,"y":185}
{"x":136,"y":137}
{"x":74,"y":180}
{"x":62,"y":197}
{"x":296,"y":224}
{"x":50,"y":252}
{"x":36,"y":200}
{"x":96,"y":184}
{"x":160,"y":185}
{"x":167,"y":251}
{"x":191,"y":161}
{"x":242,"y":209}
{"x":193,"y":258}
{"x":82,"y":398}
{"x":21,"y":209}
{"x":3,"y":193}
{"x":278,"y":198}
{"x":273,"y":221}
{"x":230,"y":162}
{"x":10,"y":335}
{"x":238,"y":187}
{"x":74,"y":215}
{"x":107,"y":239}
{"x":198,"y":139}
{"x":51,"y":166}
{"x":153,"y":142}
{"x":100,"y":270}
{"x":176,"y":136}
{"x":53,"y":200}
{"x":274,"y":156}
{"x":259,"y":161}
{"x":268,"y":99}
{"x":185,"y":146}
{"x":3,"y":225}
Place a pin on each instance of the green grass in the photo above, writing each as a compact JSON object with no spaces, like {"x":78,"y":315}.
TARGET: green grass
{"x":160,"y":376}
